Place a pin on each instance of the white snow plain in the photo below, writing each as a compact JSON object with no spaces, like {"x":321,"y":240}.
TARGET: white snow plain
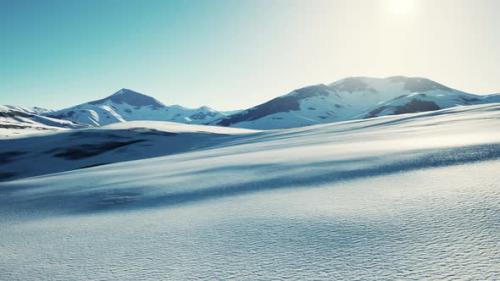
{"x":407,"y":197}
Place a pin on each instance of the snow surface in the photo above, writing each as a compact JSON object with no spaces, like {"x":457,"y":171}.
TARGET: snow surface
{"x":407,"y":197}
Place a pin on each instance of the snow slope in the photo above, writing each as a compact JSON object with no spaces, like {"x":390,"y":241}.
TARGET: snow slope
{"x":118,"y":142}
{"x":127,"y":105}
{"x":352,"y":98}
{"x":20,"y":121}
{"x":406,"y":197}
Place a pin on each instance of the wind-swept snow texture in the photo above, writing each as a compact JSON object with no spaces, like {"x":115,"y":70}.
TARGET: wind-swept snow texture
{"x":406,"y":197}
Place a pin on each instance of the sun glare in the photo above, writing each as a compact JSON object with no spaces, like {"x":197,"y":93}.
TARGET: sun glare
{"x":401,"y":7}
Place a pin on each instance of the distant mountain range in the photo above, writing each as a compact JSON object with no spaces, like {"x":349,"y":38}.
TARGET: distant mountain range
{"x":347,"y":99}
{"x":352,"y":98}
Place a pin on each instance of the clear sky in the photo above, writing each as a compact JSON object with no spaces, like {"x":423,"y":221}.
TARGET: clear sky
{"x":231,"y":54}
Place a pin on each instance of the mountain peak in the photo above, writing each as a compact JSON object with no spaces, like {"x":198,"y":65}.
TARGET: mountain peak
{"x":130,"y":97}
{"x":412,"y":84}
{"x":125,"y":91}
{"x":129,"y":105}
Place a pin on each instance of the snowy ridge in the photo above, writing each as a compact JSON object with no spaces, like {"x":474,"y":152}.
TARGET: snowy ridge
{"x":21,"y":121}
{"x":127,"y":105}
{"x":31,"y":110}
{"x":352,"y":98}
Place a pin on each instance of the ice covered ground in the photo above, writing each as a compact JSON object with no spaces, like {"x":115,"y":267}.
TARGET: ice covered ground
{"x":408,"y":197}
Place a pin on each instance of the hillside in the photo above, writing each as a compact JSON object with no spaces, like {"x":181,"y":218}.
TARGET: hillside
{"x":350,"y":99}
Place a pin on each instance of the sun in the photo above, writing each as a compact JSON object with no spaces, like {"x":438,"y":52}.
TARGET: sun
{"x":401,"y":7}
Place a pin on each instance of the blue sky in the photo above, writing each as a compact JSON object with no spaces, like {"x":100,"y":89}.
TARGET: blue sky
{"x":232,"y":54}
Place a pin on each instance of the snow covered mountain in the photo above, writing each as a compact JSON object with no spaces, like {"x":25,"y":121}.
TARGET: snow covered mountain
{"x":428,"y":96}
{"x":347,"y":99}
{"x":15,"y":120}
{"x":128,"y":105}
{"x":352,"y":98}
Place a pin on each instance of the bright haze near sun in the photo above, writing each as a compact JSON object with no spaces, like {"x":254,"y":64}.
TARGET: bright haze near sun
{"x":233,"y":54}
{"x":401,"y":7}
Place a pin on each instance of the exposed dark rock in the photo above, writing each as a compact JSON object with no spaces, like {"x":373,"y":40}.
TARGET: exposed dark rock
{"x":202,"y":115}
{"x":416,"y":106}
{"x":13,"y":113}
{"x":468,"y":99}
{"x":290,"y":102}
{"x":9,"y":126}
{"x":375,"y":112}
